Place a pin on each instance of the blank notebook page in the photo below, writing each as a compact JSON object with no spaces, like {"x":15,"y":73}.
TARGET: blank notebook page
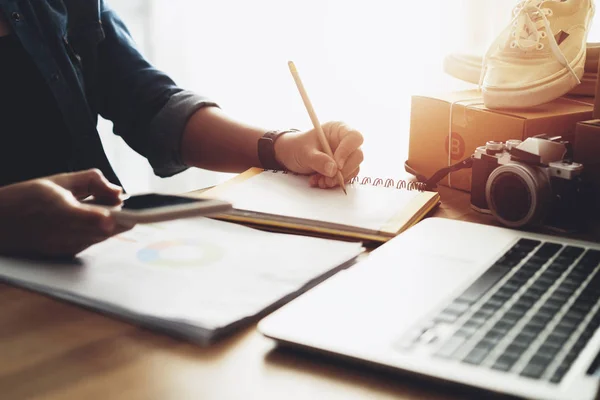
{"x":365,"y":206}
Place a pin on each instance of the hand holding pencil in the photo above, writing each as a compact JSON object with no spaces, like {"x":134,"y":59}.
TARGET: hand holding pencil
{"x":330,"y":152}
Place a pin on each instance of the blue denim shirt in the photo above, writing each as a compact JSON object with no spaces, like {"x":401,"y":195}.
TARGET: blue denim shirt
{"x":91,"y":65}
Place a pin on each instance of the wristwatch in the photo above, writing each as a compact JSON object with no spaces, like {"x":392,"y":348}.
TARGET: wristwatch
{"x":266,"y":149}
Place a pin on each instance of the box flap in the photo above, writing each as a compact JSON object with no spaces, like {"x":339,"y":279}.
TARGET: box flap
{"x":591,"y":122}
{"x":584,"y":99}
{"x":451,"y":97}
{"x":560,"y":106}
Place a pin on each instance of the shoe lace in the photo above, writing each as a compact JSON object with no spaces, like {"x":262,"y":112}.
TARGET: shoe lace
{"x":530,"y":25}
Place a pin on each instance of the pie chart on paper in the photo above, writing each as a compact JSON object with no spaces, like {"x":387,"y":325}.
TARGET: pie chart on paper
{"x":180,"y":254}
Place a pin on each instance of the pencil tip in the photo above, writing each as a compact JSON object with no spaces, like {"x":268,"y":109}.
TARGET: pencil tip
{"x":345,"y":192}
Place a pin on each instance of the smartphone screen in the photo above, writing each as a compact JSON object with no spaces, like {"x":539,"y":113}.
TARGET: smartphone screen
{"x":152,"y":201}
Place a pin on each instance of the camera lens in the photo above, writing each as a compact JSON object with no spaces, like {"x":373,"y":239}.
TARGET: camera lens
{"x":511,"y":196}
{"x":518,"y":194}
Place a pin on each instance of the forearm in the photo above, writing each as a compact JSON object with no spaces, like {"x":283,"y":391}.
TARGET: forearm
{"x":212,"y":140}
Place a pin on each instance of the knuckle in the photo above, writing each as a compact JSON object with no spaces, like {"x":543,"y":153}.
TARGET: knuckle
{"x":352,"y":174}
{"x":335,"y":128}
{"x":101,"y":225}
{"x":42,"y":188}
{"x":93,"y":221}
{"x":360,"y":156}
{"x":358,"y":136}
{"x":309,"y":150}
{"x":344,"y":150}
{"x":95,"y":173}
{"x":39,"y":185}
{"x":57,"y":177}
{"x":331,"y":124}
{"x":361,"y":140}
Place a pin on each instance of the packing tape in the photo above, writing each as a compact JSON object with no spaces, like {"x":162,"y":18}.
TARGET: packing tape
{"x":469,"y":103}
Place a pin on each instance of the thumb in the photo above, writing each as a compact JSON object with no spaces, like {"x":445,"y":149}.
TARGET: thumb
{"x":76,"y":216}
{"x":94,"y":219}
{"x":89,"y":183}
{"x":321,"y":163}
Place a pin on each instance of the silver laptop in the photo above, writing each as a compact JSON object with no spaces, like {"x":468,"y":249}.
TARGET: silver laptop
{"x":498,"y":309}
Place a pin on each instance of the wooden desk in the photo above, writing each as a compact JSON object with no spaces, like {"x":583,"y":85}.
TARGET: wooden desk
{"x":53,"y":350}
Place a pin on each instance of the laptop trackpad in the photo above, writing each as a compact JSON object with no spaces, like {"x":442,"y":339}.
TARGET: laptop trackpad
{"x":403,"y":291}
{"x":376,"y":301}
{"x":372,"y":303}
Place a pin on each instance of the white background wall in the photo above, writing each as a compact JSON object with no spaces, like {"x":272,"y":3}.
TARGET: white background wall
{"x":360,"y":60}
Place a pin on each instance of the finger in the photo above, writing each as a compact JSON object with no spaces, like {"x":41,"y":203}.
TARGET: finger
{"x":91,"y":220}
{"x":350,"y":142}
{"x":322,"y":183}
{"x":352,"y":163}
{"x":316,"y":179}
{"x":333,"y":182}
{"x":313,"y":181}
{"x":335,"y":131}
{"x":89,"y":183}
{"x":320,"y":162}
{"x":353,"y":174}
{"x":326,"y":182}
{"x":123,"y":227}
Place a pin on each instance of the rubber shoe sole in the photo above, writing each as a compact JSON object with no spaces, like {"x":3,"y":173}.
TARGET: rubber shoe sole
{"x":467,"y":68}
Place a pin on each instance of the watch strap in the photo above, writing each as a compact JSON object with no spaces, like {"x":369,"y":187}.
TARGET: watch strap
{"x":266,"y":149}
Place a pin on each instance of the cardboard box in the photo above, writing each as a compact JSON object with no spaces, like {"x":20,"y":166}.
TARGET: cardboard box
{"x":433,"y":145}
{"x":586,"y":150}
{"x":584,"y":99}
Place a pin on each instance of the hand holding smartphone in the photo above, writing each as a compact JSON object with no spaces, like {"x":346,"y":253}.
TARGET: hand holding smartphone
{"x":154,"y":207}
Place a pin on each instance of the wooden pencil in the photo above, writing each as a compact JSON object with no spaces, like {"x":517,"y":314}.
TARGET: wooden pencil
{"x":314,"y":119}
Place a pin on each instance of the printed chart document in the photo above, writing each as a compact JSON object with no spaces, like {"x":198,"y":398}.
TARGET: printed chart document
{"x":198,"y":278}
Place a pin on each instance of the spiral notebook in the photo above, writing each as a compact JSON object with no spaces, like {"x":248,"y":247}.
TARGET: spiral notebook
{"x":375,"y":209}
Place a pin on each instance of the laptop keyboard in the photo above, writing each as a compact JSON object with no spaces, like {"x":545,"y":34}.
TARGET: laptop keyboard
{"x":530,"y":314}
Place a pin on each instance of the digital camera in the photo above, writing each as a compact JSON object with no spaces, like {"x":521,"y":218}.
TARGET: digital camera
{"x":531,"y":182}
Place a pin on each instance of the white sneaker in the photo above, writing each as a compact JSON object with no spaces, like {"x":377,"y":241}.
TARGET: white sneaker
{"x":540,"y":56}
{"x":467,"y":67}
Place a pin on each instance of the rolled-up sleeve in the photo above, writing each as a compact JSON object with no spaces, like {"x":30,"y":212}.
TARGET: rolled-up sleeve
{"x":148,"y":110}
{"x":166,"y":130}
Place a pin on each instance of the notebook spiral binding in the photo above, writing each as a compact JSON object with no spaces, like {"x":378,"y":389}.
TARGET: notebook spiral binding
{"x":367,"y":180}
{"x":399,"y":184}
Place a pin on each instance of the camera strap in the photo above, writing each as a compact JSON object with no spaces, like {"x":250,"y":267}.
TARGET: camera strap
{"x":431,"y":183}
